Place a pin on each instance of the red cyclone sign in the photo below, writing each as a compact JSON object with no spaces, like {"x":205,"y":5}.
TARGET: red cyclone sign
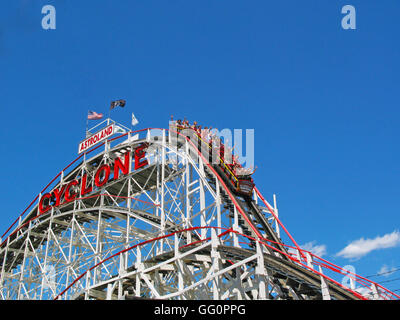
{"x":79,"y":187}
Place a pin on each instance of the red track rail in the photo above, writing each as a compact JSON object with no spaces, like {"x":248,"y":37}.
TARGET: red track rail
{"x":227,"y":231}
{"x":139,"y":245}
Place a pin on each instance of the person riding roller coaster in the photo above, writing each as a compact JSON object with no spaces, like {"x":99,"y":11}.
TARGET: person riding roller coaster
{"x":238,"y":178}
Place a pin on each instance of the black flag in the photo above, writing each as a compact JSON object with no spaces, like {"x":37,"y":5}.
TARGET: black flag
{"x":117,"y":103}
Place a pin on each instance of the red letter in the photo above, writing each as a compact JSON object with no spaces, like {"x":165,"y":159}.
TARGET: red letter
{"x":83,"y":186}
{"x":58,"y":194}
{"x":97,"y":182}
{"x":139,"y":154}
{"x":124,"y":167}
{"x":41,"y":209}
{"x":68,"y":197}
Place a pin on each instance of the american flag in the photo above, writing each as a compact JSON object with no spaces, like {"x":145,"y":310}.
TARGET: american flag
{"x":94,"y":115}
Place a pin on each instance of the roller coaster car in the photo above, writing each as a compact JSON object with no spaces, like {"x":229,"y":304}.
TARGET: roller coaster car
{"x":240,"y":185}
{"x":245,"y":185}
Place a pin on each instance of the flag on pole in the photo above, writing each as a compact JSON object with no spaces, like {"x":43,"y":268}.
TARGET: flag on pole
{"x":134,"y":120}
{"x":117,"y":103}
{"x":118,"y":129}
{"x":94,"y":115}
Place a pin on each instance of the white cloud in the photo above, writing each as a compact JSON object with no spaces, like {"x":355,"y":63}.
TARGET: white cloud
{"x":318,"y":250}
{"x":385,"y":271}
{"x":361,"y":247}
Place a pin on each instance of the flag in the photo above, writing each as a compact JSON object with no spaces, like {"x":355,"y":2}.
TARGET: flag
{"x":118,"y":129}
{"x":117,"y":103}
{"x":94,"y":115}
{"x":134,"y":120}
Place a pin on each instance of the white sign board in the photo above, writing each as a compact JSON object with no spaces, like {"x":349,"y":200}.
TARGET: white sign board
{"x":96,"y":138}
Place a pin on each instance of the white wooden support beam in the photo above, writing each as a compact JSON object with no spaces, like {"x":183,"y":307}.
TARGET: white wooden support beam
{"x":215,"y":256}
{"x":324,"y":287}
{"x":375,"y":293}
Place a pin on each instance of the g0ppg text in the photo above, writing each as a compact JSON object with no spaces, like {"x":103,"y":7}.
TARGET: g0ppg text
{"x":221,"y":309}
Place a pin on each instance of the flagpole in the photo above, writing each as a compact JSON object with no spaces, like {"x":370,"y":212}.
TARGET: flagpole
{"x":87,"y":123}
{"x":116,"y":103}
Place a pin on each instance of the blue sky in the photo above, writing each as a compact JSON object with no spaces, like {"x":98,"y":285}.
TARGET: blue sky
{"x":323,"y":101}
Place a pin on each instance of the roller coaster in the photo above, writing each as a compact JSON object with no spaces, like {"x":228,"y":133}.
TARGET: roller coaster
{"x":157,"y":214}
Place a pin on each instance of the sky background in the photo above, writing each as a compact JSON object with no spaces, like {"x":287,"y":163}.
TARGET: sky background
{"x":323,"y":101}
